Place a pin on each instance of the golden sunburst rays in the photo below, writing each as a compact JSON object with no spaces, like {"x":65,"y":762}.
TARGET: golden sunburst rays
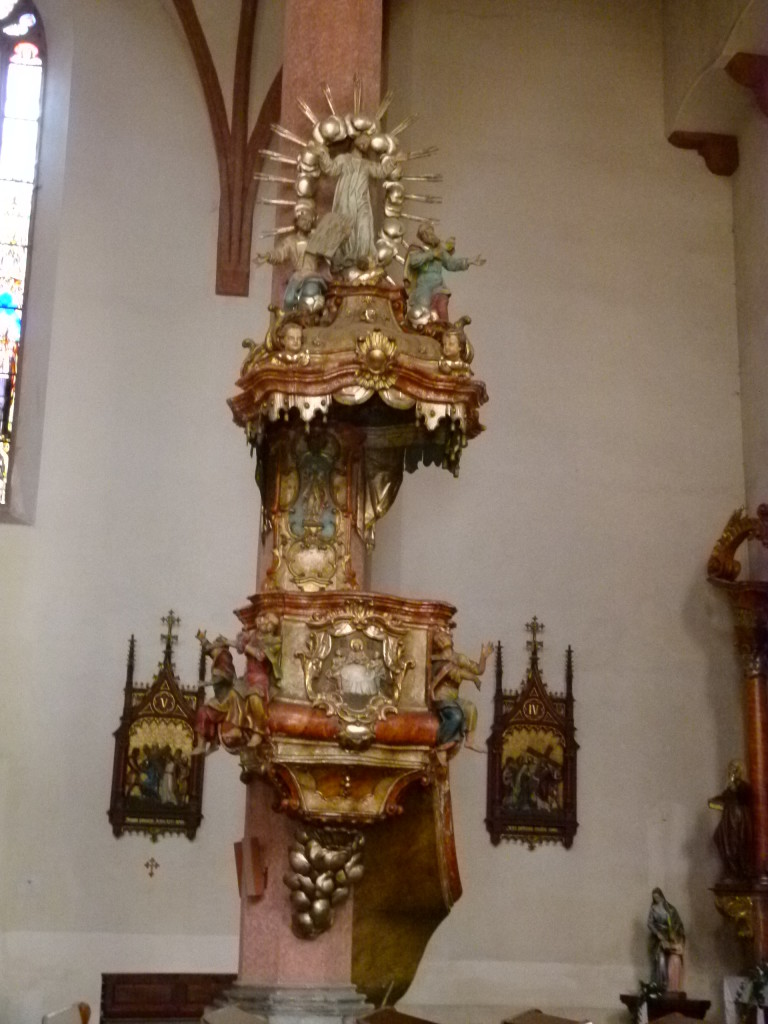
{"x":273,"y":177}
{"x":307,"y":111}
{"x":286,"y":133}
{"x":277,"y":202}
{"x":334,"y":128}
{"x":420,"y":220}
{"x":418,"y":154}
{"x":383,"y":107}
{"x":436,"y":178}
{"x":396,"y":197}
{"x":414,"y":198}
{"x":403,"y":126}
{"x":281,"y":158}
{"x":329,"y":98}
{"x":301,"y":185}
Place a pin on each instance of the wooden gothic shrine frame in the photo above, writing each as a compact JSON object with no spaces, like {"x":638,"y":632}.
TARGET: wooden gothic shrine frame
{"x":532,"y":757}
{"x":157,"y":784}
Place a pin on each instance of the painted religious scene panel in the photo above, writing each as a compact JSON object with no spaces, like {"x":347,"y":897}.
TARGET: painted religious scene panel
{"x":157,"y":779}
{"x":532,"y":756}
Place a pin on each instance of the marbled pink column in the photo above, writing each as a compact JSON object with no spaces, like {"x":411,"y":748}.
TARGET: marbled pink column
{"x":325,"y":41}
{"x":270,"y":954}
{"x":330,"y":41}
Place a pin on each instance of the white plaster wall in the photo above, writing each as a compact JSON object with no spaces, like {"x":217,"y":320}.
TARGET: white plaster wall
{"x":750,"y":216}
{"x":146,"y":501}
{"x":700,"y":38}
{"x":604,"y":324}
{"x":696,"y":33}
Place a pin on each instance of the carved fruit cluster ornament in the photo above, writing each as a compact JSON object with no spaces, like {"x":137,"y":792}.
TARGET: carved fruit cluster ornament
{"x":325,"y":864}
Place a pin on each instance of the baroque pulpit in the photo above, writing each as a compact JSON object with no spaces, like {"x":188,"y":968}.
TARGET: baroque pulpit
{"x":342,"y":704}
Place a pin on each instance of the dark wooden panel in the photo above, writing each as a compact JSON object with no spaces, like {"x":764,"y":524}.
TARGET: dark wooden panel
{"x":159,"y":997}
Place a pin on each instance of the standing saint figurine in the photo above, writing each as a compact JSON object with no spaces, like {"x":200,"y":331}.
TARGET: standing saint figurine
{"x":236,"y":715}
{"x":213,"y":714}
{"x":458,"y":717}
{"x":303,"y":249}
{"x":666,"y":943}
{"x":733,"y":835}
{"x":262,"y":648}
{"x":424,"y":265}
{"x":352,"y":198}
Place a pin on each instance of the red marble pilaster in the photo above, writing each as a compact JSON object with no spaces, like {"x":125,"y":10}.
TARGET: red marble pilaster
{"x":270,"y":954}
{"x":325,"y":41}
{"x":329,"y":41}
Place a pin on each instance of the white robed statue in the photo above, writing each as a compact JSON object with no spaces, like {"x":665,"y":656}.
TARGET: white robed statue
{"x":352,"y":200}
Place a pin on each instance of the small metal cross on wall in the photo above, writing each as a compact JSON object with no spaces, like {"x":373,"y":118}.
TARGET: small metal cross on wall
{"x":151,"y":865}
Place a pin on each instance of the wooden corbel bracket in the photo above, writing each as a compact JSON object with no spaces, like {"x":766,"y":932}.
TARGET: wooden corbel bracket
{"x":720,"y":152}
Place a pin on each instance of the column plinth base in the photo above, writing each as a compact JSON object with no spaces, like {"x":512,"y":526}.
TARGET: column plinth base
{"x":334,"y":1004}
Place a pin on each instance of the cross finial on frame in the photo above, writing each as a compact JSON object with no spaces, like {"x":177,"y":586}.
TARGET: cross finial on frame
{"x":168,"y":638}
{"x":533,"y":645}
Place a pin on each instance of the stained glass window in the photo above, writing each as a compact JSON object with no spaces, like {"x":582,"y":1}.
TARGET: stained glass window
{"x":22,"y":56}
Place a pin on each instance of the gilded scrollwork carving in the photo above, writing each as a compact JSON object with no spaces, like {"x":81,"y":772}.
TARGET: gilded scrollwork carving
{"x":307,"y":497}
{"x":376,"y":354}
{"x":722,"y":562}
{"x":383,"y":477}
{"x":737,"y":908}
{"x":325,"y":864}
{"x":354,"y":666}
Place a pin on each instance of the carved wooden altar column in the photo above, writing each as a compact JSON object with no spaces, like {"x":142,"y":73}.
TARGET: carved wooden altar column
{"x":746,"y":900}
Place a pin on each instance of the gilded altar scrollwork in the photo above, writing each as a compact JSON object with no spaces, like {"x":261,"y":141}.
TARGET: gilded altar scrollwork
{"x":354,"y":665}
{"x":376,"y":354}
{"x":383,"y":476}
{"x":738,"y":908}
{"x":722,"y":564}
